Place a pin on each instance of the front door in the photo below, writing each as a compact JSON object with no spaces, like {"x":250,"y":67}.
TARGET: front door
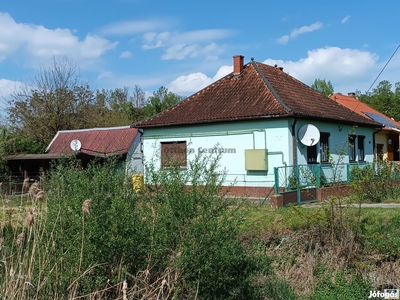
{"x":393,"y":148}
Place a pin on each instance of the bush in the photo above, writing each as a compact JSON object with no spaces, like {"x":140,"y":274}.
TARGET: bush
{"x":96,"y":238}
{"x":374,"y":182}
{"x":93,"y":227}
{"x":199,"y":227}
{"x":341,"y":287}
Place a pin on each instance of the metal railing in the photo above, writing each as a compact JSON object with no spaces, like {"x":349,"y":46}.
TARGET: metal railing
{"x":289,"y":178}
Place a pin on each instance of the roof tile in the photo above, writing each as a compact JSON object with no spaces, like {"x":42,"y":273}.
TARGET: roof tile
{"x":359,"y":107}
{"x":259,"y":91}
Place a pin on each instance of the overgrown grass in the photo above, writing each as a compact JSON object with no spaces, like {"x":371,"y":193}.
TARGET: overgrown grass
{"x":94,"y":238}
{"x":330,"y":251}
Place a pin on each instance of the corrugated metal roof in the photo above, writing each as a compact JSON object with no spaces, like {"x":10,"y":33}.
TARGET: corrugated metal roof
{"x":95,"y":141}
{"x":259,"y":91}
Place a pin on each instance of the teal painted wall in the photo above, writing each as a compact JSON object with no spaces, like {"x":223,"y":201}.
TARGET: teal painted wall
{"x":275,"y":135}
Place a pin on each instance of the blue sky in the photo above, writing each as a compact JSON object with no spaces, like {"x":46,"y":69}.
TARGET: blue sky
{"x":186,"y":45}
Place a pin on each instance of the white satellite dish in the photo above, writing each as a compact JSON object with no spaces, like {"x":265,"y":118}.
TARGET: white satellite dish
{"x":309,"y":135}
{"x":75,"y":145}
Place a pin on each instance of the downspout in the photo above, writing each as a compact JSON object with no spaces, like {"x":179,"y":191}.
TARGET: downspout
{"x":141,"y":140}
{"x":294,"y":141}
{"x":373,"y":142}
{"x":141,"y":148}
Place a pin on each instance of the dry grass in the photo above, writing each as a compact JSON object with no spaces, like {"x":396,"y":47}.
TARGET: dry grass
{"x":86,"y":206}
{"x":298,"y":244}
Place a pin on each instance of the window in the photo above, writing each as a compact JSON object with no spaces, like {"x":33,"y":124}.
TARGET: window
{"x":352,"y":148}
{"x":173,"y":154}
{"x":360,"y":147}
{"x":324,"y":146}
{"x":312,"y":154}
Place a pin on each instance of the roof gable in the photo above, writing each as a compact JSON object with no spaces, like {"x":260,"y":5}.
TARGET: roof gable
{"x":259,"y":91}
{"x":94,"y":141}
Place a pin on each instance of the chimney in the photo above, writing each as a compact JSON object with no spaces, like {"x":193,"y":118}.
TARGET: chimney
{"x":237,"y":64}
{"x":352,"y":94}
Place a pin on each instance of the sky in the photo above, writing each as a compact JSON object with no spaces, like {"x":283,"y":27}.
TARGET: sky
{"x":187,"y":45}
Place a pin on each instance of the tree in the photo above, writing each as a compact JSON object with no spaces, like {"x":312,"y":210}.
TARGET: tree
{"x":324,"y":87}
{"x":123,"y":107}
{"x":56,"y":99}
{"x":384,"y":99}
{"x":161,"y":100}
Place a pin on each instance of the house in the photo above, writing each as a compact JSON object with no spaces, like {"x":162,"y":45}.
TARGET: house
{"x":253,"y":117}
{"x":386,"y":139}
{"x":86,"y":145}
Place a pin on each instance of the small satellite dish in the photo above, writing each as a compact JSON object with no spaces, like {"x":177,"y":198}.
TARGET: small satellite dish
{"x":75,"y":145}
{"x":309,"y":135}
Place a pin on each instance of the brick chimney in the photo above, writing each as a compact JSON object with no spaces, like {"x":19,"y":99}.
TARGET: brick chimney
{"x":237,"y":64}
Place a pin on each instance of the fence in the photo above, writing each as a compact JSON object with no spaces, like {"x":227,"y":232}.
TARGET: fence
{"x":12,"y":184}
{"x":301,"y":183}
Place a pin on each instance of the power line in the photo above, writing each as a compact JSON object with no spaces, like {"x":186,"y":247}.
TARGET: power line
{"x":353,"y":111}
{"x":383,"y":68}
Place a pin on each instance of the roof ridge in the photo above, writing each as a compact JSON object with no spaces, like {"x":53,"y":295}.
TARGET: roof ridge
{"x":270,"y":86}
{"x":95,"y":128}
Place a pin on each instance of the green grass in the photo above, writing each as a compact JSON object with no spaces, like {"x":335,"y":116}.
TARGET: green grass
{"x":13,"y":210}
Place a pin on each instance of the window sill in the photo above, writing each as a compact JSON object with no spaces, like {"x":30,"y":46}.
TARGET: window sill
{"x":171,"y":168}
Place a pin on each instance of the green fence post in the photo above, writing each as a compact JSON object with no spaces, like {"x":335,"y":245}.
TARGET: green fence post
{"x":318,"y":175}
{"x":348,"y":173}
{"x":276,"y":174}
{"x":298,"y":189}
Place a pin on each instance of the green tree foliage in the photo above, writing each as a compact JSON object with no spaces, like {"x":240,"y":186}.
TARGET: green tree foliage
{"x":384,"y":99}
{"x":56,"y":99}
{"x":161,"y":100}
{"x":323,"y":86}
{"x":123,"y":106}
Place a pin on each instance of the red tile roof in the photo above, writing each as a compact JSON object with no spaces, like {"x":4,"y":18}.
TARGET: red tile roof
{"x":95,"y":141}
{"x":359,"y":107}
{"x":260,"y":91}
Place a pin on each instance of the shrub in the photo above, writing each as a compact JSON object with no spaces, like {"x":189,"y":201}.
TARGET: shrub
{"x":375,"y":182}
{"x":96,"y":238}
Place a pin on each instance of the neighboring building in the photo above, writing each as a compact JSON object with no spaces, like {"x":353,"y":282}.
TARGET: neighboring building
{"x":88,"y":144}
{"x":386,"y":139}
{"x":253,"y":115}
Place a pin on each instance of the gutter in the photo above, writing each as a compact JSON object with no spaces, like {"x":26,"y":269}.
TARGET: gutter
{"x":294,"y":141}
{"x":141,"y":141}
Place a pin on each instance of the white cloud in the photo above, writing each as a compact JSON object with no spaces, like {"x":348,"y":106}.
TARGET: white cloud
{"x":191,"y":43}
{"x":154,"y":40}
{"x":40,"y":42}
{"x":125,"y":54}
{"x":108,"y":79}
{"x":297,"y":31}
{"x":283,"y":39}
{"x":338,"y":65}
{"x":180,"y":51}
{"x":132,"y":27}
{"x":196,"y":81}
{"x":105,"y":74}
{"x":345,"y":19}
{"x":7,"y":87}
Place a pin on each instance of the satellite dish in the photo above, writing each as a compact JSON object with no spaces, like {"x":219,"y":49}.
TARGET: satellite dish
{"x":75,"y":145}
{"x":309,"y":135}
